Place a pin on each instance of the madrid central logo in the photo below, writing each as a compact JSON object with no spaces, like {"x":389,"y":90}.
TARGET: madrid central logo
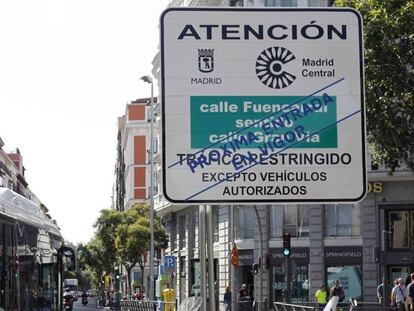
{"x":270,"y":67}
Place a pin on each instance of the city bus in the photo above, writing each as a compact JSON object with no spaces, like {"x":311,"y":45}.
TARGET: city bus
{"x":33,"y":256}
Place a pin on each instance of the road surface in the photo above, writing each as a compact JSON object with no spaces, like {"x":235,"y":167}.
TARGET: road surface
{"x":78,"y":306}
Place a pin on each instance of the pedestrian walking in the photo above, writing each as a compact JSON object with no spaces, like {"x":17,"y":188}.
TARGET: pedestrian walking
{"x":244,"y":299}
{"x":243,"y":294}
{"x":380,"y":292}
{"x":397,"y":295}
{"x":169,"y":298}
{"x":321,"y":296}
{"x":227,"y":299}
{"x":409,"y":305}
{"x":337,"y":291}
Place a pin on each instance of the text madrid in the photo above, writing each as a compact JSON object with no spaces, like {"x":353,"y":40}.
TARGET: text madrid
{"x":311,"y":31}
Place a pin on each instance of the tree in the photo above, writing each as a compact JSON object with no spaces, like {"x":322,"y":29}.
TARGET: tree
{"x":389,"y":71}
{"x":106,"y":225}
{"x":93,"y":256}
{"x":133,"y":238}
{"x":83,"y":273}
{"x":130,"y":243}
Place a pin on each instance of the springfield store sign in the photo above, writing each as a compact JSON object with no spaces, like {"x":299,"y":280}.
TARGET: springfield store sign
{"x":262,"y":105}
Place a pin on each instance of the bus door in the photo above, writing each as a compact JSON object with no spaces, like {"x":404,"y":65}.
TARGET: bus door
{"x":9,"y":281}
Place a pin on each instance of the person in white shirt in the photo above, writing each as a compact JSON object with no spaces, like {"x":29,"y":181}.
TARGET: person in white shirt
{"x":397,"y":295}
{"x":409,"y":293}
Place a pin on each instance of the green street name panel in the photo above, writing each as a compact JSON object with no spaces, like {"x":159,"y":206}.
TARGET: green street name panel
{"x":262,"y":105}
{"x":234,"y":113}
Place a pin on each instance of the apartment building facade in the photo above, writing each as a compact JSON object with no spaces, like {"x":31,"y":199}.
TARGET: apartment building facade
{"x":132,"y":167}
{"x":338,"y":241}
{"x":12,"y":173}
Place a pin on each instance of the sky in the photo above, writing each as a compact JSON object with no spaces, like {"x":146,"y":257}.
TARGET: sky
{"x":67,"y":70}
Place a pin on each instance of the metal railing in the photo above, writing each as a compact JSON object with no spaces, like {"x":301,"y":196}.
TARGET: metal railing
{"x":144,"y":305}
{"x":343,"y":306}
{"x":281,"y":306}
{"x":137,"y":305}
{"x":369,"y":306}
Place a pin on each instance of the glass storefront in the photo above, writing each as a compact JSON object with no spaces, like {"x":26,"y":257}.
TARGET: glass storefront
{"x":350,"y":278}
{"x":195,"y":277}
{"x":399,"y":272}
{"x":299,"y":284}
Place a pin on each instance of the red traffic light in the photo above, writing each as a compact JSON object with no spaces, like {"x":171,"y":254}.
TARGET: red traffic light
{"x":286,"y":240}
{"x":268,"y":261}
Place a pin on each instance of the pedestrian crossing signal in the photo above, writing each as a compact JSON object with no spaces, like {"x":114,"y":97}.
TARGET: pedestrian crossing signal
{"x":255,"y":269}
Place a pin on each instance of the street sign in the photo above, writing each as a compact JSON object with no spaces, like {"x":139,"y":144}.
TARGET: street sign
{"x":234,"y":256}
{"x":262,"y":105}
{"x":169,"y":264}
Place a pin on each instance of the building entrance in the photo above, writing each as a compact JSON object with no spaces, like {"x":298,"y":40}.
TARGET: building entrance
{"x":396,"y":272}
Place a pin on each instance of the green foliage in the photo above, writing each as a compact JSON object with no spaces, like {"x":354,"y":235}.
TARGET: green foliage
{"x":389,"y":71}
{"x":94,"y":258}
{"x":106,"y":225}
{"x":69,"y":275}
{"x":121,"y":238}
{"x":133,"y":234}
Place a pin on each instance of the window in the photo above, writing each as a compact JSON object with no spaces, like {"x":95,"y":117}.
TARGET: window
{"x":245,"y":222}
{"x":293,"y":219}
{"x":193,"y":219}
{"x":281,"y":3}
{"x":173,"y":235}
{"x":215,"y":210}
{"x":181,"y":232}
{"x":317,"y":3}
{"x":400,"y":224}
{"x":236,"y":2}
{"x":299,"y":284}
{"x":342,"y":220}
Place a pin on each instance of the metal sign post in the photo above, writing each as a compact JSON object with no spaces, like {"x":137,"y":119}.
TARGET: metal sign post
{"x":260,"y":259}
{"x":210,"y":253}
{"x":202,"y":255}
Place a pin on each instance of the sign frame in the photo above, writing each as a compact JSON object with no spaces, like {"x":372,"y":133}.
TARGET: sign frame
{"x":263,"y":201}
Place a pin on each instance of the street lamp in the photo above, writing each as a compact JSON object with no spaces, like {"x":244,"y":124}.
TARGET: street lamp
{"x":148,"y":79}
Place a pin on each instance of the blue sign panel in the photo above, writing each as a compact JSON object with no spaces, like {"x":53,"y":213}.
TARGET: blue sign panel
{"x":169,"y":263}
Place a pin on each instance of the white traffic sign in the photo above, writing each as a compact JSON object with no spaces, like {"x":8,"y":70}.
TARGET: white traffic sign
{"x":262,"y":105}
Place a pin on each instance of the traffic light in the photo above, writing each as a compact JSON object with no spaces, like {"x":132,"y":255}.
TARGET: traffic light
{"x":15,"y":264}
{"x":117,"y":279}
{"x":268,"y":261}
{"x":255,"y":269}
{"x":286,"y":244}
